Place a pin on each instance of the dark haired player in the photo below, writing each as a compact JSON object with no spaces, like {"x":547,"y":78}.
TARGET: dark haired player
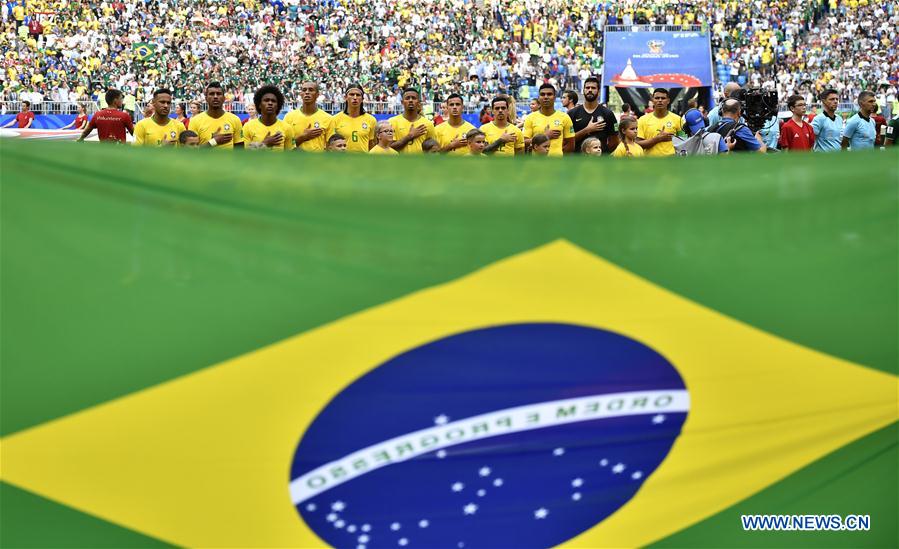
{"x":504,"y":139}
{"x":411,"y":129}
{"x":451,"y":134}
{"x":112,"y":122}
{"x":355,"y":123}
{"x":593,"y":120}
{"x":655,"y":129}
{"x":267,"y":132}
{"x":158,"y":130}
{"x":556,"y":125}
{"x":215,"y":127}
{"x":311,"y":125}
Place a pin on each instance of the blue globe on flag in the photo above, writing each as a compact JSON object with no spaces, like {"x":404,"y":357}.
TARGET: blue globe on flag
{"x":521,"y":435}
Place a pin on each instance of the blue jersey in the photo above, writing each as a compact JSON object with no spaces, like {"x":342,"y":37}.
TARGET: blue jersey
{"x":860,"y":132}
{"x":828,"y":132}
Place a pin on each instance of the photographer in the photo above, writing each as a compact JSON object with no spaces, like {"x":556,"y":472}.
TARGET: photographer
{"x":735,"y":134}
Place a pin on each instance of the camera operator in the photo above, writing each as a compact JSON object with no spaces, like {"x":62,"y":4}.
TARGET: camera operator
{"x":731,"y":89}
{"x":737,"y":135}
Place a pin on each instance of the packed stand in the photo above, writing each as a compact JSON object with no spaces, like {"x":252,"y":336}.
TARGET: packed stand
{"x":70,"y":51}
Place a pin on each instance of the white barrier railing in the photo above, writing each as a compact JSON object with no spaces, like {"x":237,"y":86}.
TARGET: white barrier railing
{"x":68,"y":107}
{"x":64,"y":108}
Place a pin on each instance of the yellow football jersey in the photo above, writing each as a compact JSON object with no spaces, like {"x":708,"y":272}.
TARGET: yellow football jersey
{"x":506,"y":149}
{"x":254,"y":131}
{"x":206,"y":126}
{"x":446,"y":133}
{"x":150,"y":134}
{"x":537,"y":122}
{"x":402,"y":127}
{"x":649,"y":126}
{"x":379,"y":150}
{"x":359,"y":131}
{"x":301,"y":121}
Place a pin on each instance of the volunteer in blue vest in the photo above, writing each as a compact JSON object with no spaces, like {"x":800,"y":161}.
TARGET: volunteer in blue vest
{"x":827,"y":125}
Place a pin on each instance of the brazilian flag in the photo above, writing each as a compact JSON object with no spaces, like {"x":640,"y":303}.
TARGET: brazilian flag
{"x":143,"y":51}
{"x":253,"y":350}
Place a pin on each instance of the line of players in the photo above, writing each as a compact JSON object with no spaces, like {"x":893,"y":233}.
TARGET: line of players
{"x":546,"y":131}
{"x":589,"y":128}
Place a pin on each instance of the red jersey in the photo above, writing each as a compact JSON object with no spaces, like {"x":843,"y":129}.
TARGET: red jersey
{"x":23,"y":117}
{"x":111,"y":124}
{"x":79,"y":121}
{"x":796,"y":138}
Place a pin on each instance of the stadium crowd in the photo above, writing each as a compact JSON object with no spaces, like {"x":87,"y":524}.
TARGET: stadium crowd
{"x":72,"y":50}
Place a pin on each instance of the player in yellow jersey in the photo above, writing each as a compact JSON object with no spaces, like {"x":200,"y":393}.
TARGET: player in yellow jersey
{"x":503,"y":138}
{"x":354,"y":123}
{"x":311,"y":126}
{"x":655,"y":130}
{"x":451,"y":134}
{"x":385,"y":139}
{"x":411,"y":129}
{"x":215,"y":127}
{"x":554,"y":124}
{"x":267,"y":132}
{"x":158,"y":130}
